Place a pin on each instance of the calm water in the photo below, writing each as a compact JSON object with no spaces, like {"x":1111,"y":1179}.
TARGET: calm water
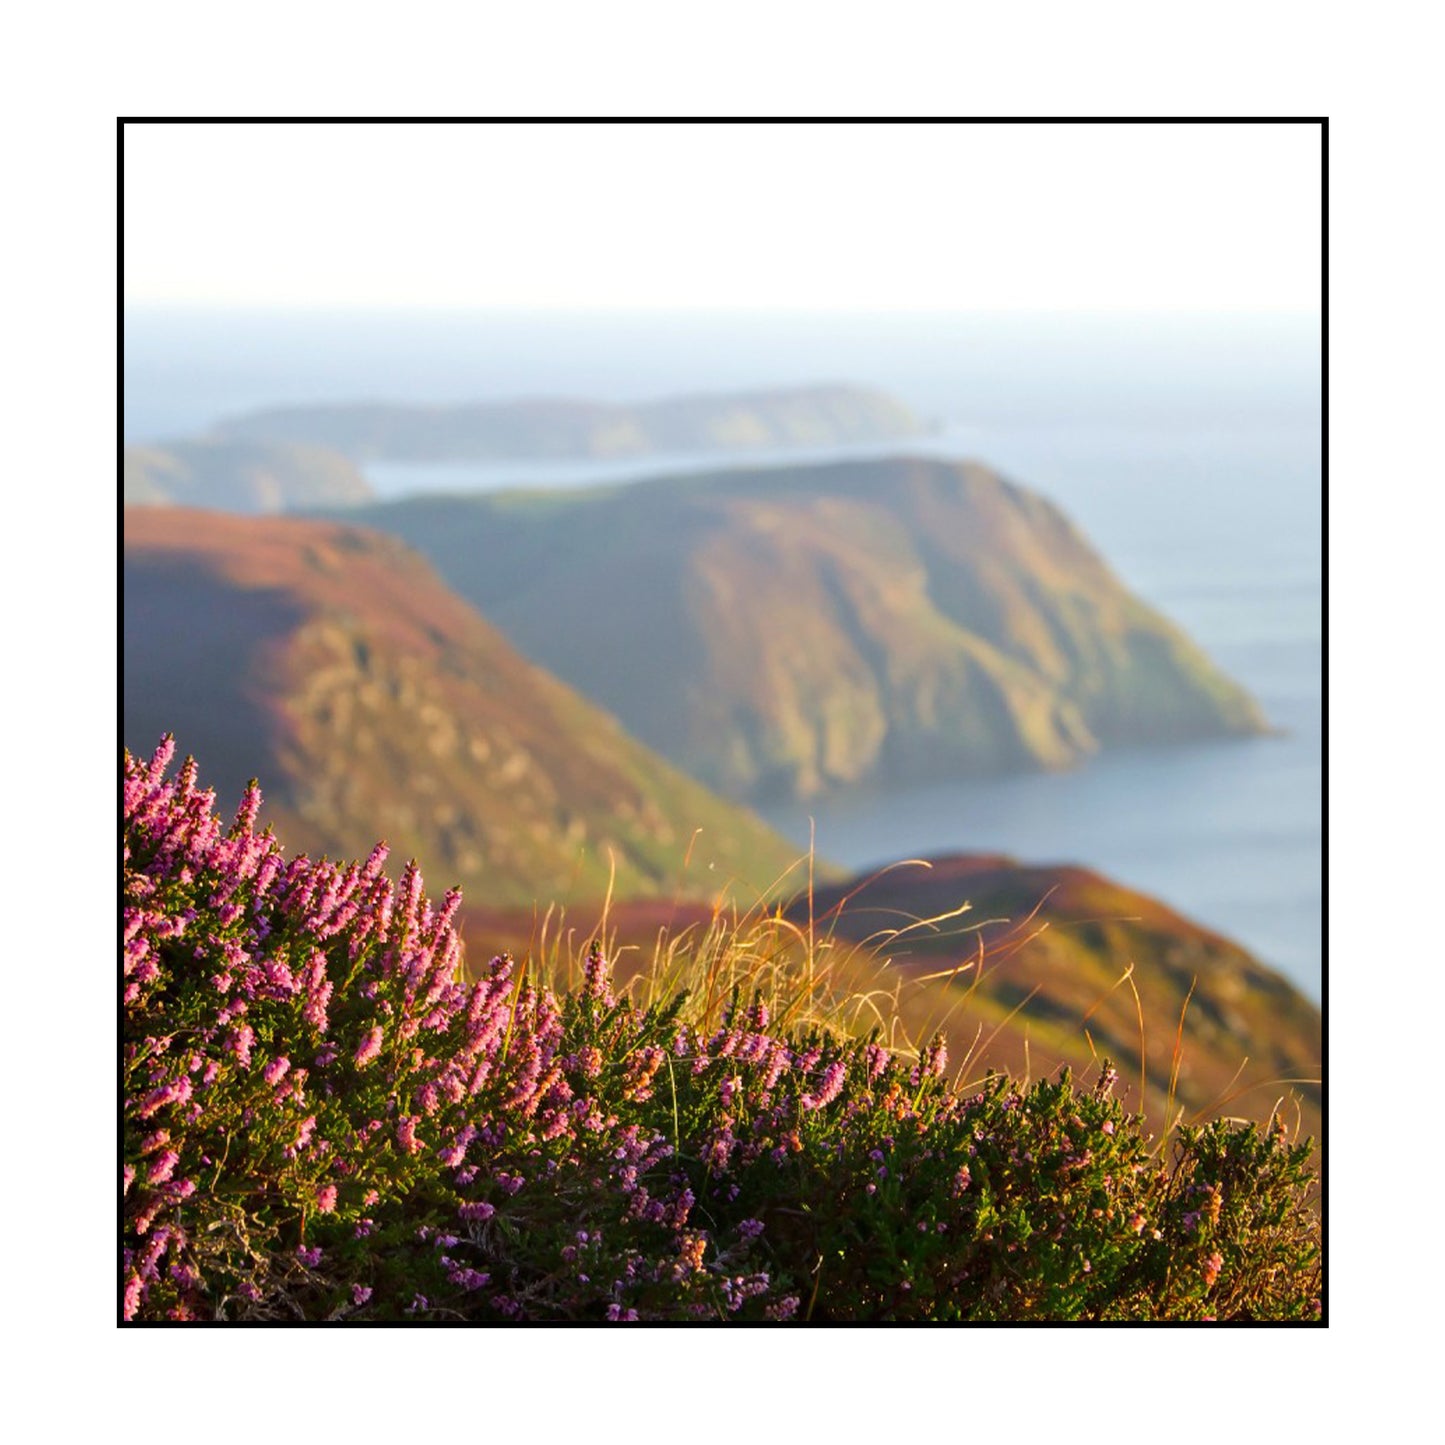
{"x":1187,"y":449}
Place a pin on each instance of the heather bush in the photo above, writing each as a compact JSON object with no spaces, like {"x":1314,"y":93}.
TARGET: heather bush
{"x":324,"y":1120}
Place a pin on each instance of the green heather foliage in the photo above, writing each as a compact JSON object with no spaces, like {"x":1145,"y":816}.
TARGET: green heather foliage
{"x":324,"y":1121}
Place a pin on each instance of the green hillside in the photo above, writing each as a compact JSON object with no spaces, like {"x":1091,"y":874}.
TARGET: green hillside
{"x":796,"y":630}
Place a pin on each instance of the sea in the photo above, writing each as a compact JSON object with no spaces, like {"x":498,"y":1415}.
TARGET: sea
{"x":1187,"y":447}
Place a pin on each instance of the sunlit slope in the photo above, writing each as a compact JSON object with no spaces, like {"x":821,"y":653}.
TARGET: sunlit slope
{"x":793,"y":631}
{"x":1055,"y":962}
{"x":332,"y":662}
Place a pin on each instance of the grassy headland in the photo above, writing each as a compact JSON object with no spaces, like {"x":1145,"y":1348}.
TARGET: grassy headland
{"x":797,"y":630}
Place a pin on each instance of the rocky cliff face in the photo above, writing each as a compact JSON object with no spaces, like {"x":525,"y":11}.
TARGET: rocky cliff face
{"x":786,"y":632}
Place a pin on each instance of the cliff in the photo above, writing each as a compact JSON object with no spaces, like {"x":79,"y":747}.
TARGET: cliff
{"x":790,"y":631}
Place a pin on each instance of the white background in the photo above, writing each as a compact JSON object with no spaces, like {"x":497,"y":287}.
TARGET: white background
{"x":69,"y":72}
{"x":928,"y":217}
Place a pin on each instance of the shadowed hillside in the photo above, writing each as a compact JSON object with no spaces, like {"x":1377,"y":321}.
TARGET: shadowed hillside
{"x":332,"y":662}
{"x":785,"y":632}
{"x":551,"y":427}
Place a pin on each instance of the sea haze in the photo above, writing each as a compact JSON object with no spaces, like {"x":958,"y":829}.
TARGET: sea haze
{"x":1187,"y":449}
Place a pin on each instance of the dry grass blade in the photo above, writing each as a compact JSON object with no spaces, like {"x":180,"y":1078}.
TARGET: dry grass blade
{"x":1177,"y":1058}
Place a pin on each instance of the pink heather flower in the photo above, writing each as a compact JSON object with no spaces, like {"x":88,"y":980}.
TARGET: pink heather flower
{"x":360,"y":1293}
{"x":1136,"y":1223}
{"x":161,"y":759}
{"x":275,"y":1071}
{"x":597,"y":975}
{"x":452,"y":1157}
{"x":1212,"y":1266}
{"x":829,"y":1089}
{"x":178,"y":1092}
{"x":250,"y":806}
{"x":372,"y":868}
{"x":478,"y":1211}
{"x":1107,"y":1126}
{"x":372,"y":1197}
{"x":128,"y":1176}
{"x":240,"y":1045}
{"x":133,"y":1288}
{"x":468,"y":1278}
{"x":326,"y":1198}
{"x":406,"y":1133}
{"x":369,"y":1049}
{"x":309,"y":1257}
{"x":164,"y":1166}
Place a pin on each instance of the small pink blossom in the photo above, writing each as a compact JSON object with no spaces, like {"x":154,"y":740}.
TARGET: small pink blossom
{"x":369,"y":1049}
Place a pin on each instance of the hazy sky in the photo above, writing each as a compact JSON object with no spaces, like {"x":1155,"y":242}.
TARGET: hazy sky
{"x":815,"y":216}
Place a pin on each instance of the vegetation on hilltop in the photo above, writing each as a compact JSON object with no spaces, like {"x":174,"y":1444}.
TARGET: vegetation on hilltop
{"x":795,"y":630}
{"x":323,"y":1121}
{"x":804,"y":416}
{"x":240,"y":476}
{"x":331,"y":660}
